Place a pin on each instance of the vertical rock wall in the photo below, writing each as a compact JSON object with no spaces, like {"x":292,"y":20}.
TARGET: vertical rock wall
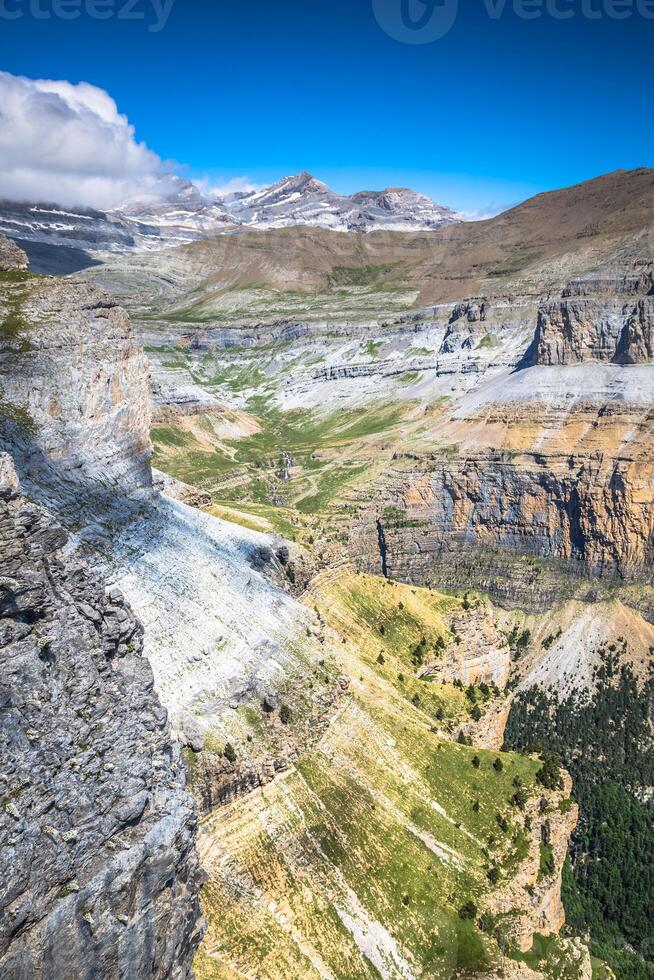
{"x":74,"y":388}
{"x":98,"y":871}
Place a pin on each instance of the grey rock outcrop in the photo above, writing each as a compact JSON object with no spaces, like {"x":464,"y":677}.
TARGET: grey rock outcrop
{"x":11,"y":256}
{"x":98,"y":871}
{"x":636,"y":344}
{"x":598,"y":319}
{"x":465,"y":327}
{"x":73,"y":383}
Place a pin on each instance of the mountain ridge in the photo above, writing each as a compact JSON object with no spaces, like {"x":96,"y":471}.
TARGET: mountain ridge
{"x":188,"y":214}
{"x":392,"y":208}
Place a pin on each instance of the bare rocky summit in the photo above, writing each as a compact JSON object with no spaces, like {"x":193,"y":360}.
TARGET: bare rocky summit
{"x":188,"y":215}
{"x":98,"y":872}
{"x":301,"y":199}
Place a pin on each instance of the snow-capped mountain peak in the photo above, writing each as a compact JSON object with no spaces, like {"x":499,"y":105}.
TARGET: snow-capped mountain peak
{"x":303,"y":200}
{"x":184,"y":214}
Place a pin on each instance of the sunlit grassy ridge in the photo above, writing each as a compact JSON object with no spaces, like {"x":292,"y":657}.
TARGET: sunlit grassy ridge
{"x":359,"y":861}
{"x":341,"y":291}
{"x":394,"y":627}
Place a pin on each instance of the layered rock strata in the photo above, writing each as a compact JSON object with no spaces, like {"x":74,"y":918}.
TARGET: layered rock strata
{"x":74,"y":386}
{"x":598,"y":319}
{"x":216,"y":781}
{"x":544,"y":473}
{"x":98,"y":870}
{"x":594,"y":513}
{"x":478,"y":654}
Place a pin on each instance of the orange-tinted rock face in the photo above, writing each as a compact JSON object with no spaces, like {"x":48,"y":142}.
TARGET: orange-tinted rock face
{"x":536,"y":896}
{"x":549,"y":463}
{"x":595,"y":513}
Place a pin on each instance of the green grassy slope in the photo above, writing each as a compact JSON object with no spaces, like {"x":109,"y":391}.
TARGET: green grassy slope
{"x":371,"y":856}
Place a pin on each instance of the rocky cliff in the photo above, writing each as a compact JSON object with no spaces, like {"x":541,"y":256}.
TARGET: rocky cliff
{"x":546,"y":465}
{"x":98,"y":871}
{"x":594,"y":512}
{"x":73,"y":383}
{"x":532,"y":900}
{"x":479,"y":653}
{"x":11,"y":256}
{"x":598,"y":319}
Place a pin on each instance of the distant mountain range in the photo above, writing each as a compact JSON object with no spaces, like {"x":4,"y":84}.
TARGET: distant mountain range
{"x":188,"y":215}
{"x":303,"y":200}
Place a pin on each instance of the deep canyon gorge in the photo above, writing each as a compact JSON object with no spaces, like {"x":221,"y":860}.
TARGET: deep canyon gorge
{"x":322,"y":551}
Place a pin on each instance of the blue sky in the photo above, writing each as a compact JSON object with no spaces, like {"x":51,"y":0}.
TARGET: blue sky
{"x":496,"y":110}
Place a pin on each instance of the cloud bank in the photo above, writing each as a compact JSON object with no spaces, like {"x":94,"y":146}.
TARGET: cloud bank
{"x":68,"y":144}
{"x":226,"y":189}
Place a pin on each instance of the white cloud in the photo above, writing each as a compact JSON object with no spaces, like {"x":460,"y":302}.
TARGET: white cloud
{"x":69,"y":145}
{"x":217,"y":188}
{"x":484,"y":213}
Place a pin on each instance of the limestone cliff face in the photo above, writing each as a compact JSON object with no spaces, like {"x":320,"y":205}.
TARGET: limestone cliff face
{"x":98,"y":871}
{"x":595,"y":513}
{"x":465,"y":327}
{"x":610,"y":320}
{"x":479,"y":654}
{"x":532,"y":900}
{"x":636,"y":344}
{"x":215,"y":781}
{"x":571,"y":480}
{"x":73,"y":382}
{"x":488,"y":733}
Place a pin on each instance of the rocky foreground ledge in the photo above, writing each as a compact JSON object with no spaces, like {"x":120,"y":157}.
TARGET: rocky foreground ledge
{"x":98,"y":871}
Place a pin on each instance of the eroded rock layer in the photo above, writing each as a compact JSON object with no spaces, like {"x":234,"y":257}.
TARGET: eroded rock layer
{"x":73,"y":382}
{"x":598,"y":319}
{"x":11,"y":256}
{"x":594,"y":512}
{"x":98,"y":871}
